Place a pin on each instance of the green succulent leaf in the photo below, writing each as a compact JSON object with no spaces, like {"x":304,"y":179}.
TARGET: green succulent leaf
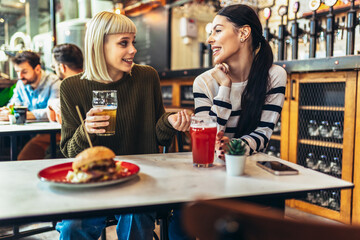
{"x":236,"y":147}
{"x":11,"y":107}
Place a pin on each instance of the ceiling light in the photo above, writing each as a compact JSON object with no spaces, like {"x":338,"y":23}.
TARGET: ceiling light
{"x":141,"y":7}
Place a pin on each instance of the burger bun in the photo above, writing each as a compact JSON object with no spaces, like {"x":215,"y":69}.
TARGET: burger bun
{"x":93,"y":154}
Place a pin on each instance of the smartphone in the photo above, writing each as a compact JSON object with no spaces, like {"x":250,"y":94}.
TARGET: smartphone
{"x":277,"y":168}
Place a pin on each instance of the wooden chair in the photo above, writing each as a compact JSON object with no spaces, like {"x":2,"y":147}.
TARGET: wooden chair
{"x":229,"y":219}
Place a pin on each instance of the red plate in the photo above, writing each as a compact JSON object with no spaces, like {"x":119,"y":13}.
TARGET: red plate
{"x":56,"y":175}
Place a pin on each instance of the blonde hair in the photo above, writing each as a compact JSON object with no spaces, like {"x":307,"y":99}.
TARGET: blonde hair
{"x":98,"y":27}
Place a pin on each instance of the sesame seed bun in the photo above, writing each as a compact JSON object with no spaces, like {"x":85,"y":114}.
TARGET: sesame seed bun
{"x":91,"y":155}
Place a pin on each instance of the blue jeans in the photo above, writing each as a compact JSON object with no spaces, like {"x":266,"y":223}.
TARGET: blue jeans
{"x":129,"y":227}
{"x":176,"y":230}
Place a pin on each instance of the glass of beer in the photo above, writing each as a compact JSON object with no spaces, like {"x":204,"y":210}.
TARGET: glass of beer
{"x":107,"y":101}
{"x":203,"y":133}
{"x":20,"y":114}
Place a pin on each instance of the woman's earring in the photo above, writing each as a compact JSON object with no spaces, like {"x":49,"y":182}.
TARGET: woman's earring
{"x":241,"y":40}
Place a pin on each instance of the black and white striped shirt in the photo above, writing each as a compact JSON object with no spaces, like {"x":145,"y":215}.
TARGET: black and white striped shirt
{"x":225,"y":104}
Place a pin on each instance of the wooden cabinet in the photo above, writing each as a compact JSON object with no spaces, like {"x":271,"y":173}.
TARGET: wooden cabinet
{"x":321,"y":135}
{"x":177,"y":92}
{"x":356,"y":179}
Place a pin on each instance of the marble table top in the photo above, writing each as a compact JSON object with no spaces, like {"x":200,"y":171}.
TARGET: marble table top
{"x":6,"y":128}
{"x":163,"y":179}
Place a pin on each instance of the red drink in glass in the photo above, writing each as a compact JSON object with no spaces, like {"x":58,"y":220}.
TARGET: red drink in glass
{"x":203,"y":136}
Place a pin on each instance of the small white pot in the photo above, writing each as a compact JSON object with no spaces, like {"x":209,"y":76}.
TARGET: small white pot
{"x":235,"y":164}
{"x":12,"y":119}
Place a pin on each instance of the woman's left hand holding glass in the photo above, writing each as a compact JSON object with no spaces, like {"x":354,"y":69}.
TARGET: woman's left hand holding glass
{"x":94,"y":124}
{"x":180,"y":121}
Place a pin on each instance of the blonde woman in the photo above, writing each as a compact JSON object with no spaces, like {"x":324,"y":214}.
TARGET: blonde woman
{"x":142,"y":124}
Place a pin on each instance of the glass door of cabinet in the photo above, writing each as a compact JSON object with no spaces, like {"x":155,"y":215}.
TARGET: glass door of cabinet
{"x":322,"y":119}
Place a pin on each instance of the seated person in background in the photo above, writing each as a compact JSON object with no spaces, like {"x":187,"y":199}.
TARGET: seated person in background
{"x":34,"y":89}
{"x":67,"y":60}
{"x":141,"y":121}
{"x":244,"y":90}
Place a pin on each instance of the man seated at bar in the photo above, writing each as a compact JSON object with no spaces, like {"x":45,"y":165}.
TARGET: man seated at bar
{"x":141,"y":121}
{"x":34,"y":90}
{"x":67,"y":60}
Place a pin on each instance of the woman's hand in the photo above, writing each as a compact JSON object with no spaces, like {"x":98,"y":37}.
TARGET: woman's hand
{"x":94,"y":123}
{"x":220,"y":145}
{"x":180,"y":121}
{"x":220,"y":74}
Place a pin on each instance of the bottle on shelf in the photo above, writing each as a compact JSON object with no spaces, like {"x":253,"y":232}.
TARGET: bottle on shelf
{"x":310,"y":160}
{"x":325,"y":129}
{"x":334,"y":201}
{"x":335,"y":167}
{"x":337,"y":131}
{"x":277,"y":127}
{"x":324,"y":199}
{"x":272,"y":151}
{"x":310,"y":197}
{"x":313,"y":128}
{"x":320,"y":164}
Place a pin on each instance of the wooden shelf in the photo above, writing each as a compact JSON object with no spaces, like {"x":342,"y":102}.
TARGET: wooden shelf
{"x":275,"y":137}
{"x":187,"y":102}
{"x":322,"y":108}
{"x":321,"y":143}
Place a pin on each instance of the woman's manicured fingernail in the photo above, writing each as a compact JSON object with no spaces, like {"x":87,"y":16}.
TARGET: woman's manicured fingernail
{"x":222,"y":152}
{"x":222,"y":141}
{"x":220,"y":148}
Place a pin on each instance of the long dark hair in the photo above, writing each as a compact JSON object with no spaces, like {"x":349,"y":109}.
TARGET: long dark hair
{"x":254,"y":95}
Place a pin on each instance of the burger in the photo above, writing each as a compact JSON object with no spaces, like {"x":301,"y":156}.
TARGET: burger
{"x":95,"y":164}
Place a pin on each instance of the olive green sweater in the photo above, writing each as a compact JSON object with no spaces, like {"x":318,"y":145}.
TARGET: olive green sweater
{"x":141,"y":121}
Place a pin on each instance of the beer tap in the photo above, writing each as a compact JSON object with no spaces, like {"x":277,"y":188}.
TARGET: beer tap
{"x":205,"y":50}
{"x":352,"y":21}
{"x":267,"y":34}
{"x":314,"y":5}
{"x":305,"y":34}
{"x":330,"y":28}
{"x":340,"y":26}
{"x":282,"y":33}
{"x":295,"y":32}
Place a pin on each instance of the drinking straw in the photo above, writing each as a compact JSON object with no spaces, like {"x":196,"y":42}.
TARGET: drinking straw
{"x":83,"y":125}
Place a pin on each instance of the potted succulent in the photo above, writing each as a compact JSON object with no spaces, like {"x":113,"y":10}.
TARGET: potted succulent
{"x":235,"y":157}
{"x":12,"y":119}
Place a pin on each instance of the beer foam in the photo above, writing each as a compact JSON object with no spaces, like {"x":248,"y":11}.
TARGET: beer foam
{"x":107,"y":107}
{"x":202,"y":125}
